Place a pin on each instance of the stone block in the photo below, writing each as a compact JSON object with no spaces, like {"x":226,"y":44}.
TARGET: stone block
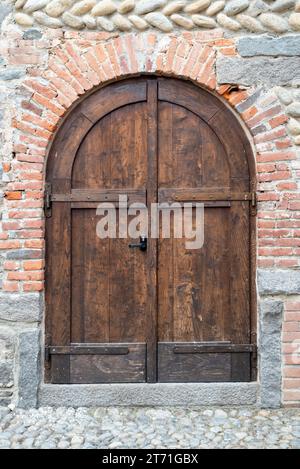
{"x":278,"y":282}
{"x":269,"y":46}
{"x":16,"y":307}
{"x":29,"y":368}
{"x":270,"y":319}
{"x":259,"y":70}
{"x":5,"y":10}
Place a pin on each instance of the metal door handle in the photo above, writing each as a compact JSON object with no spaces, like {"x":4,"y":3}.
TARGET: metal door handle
{"x":142,"y":245}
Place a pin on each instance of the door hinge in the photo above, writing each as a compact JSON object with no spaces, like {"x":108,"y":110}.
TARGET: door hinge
{"x":253,"y":203}
{"x":47,"y":354}
{"x":48,"y":200}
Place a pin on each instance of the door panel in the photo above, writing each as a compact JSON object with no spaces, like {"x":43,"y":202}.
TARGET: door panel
{"x":198,"y":290}
{"x":169,"y":314}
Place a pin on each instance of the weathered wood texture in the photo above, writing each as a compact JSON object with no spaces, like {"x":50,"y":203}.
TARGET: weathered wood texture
{"x":154,"y":140}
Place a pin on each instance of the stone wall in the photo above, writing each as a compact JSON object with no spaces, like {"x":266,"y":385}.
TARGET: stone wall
{"x":255,"y":16}
{"x":45,"y":69}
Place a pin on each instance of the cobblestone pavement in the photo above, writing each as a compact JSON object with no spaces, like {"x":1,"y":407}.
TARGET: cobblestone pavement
{"x":149,"y":428}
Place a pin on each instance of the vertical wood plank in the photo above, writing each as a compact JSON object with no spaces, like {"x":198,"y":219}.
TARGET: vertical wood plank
{"x":152,"y":245}
{"x":58,"y":275}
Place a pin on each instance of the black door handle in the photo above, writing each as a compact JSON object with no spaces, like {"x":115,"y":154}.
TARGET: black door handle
{"x":142,"y":245}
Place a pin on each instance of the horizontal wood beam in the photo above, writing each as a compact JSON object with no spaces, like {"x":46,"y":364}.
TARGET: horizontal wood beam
{"x":106,"y":195}
{"x":196,"y":195}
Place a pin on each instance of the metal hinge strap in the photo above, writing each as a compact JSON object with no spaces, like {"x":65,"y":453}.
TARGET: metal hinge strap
{"x":253,"y":204}
{"x":48,"y":200}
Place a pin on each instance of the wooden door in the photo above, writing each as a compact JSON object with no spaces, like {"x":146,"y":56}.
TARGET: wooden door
{"x":169,"y":314}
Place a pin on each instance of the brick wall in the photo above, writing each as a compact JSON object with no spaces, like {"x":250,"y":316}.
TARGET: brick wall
{"x":44,"y":71}
{"x":291,"y":352}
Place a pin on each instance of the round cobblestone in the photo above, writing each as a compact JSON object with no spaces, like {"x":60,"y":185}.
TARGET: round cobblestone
{"x":49,"y":428}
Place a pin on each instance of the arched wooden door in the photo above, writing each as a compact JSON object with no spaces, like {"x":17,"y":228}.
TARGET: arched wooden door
{"x":167,"y":314}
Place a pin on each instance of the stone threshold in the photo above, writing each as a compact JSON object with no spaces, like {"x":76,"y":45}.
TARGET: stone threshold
{"x":144,"y":394}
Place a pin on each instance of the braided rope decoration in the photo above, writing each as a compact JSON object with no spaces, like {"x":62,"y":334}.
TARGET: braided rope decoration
{"x":257,"y":16}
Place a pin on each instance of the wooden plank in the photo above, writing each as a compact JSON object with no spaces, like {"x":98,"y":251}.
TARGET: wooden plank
{"x":238,"y":271}
{"x":198,"y":195}
{"x":165,"y":262}
{"x":127,"y":268}
{"x":192,"y":368}
{"x":104,"y":195}
{"x":58,"y":291}
{"x":152,"y":156}
{"x":125,"y":368}
{"x":241,"y":367}
{"x":188,"y":96}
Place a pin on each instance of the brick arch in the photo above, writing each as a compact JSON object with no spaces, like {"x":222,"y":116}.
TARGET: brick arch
{"x":75,"y":69}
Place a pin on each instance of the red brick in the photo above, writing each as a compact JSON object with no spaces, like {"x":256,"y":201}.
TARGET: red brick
{"x":266,"y":168}
{"x":53,"y":106}
{"x":265,"y":263}
{"x":291,"y":396}
{"x":275,"y":252}
{"x":29,"y":158}
{"x":292,"y":305}
{"x":269,"y":233}
{"x":268,"y":196}
{"x":33,"y":286}
{"x":228,"y":51}
{"x":282,"y":144}
{"x":291,"y":383}
{"x":292,"y":372}
{"x":31,"y":176}
{"x":43,"y":90}
{"x":251,"y":112}
{"x":10,"y":286}
{"x":286,"y":263}
{"x":292,"y":316}
{"x":276,"y":156}
{"x":31,"y":185}
{"x":26,"y":276}
{"x":291,"y":326}
{"x":6,"y":167}
{"x":11,"y":225}
{"x":291,"y":336}
{"x":290,"y":348}
{"x":279,"y":120}
{"x":44,"y":124}
{"x":33,"y":223}
{"x":294,"y":206}
{"x":10,"y":244}
{"x":263,"y":115}
{"x":286,"y":186}
{"x":13,"y":195}
{"x":28,"y":140}
{"x":236,"y":97}
{"x":29,"y":106}
{"x":33,"y":265}
{"x":274,"y":176}
{"x":266,"y":224}
{"x":24,"y":214}
{"x":11,"y":265}
{"x":291,"y":359}
{"x":34,"y":243}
